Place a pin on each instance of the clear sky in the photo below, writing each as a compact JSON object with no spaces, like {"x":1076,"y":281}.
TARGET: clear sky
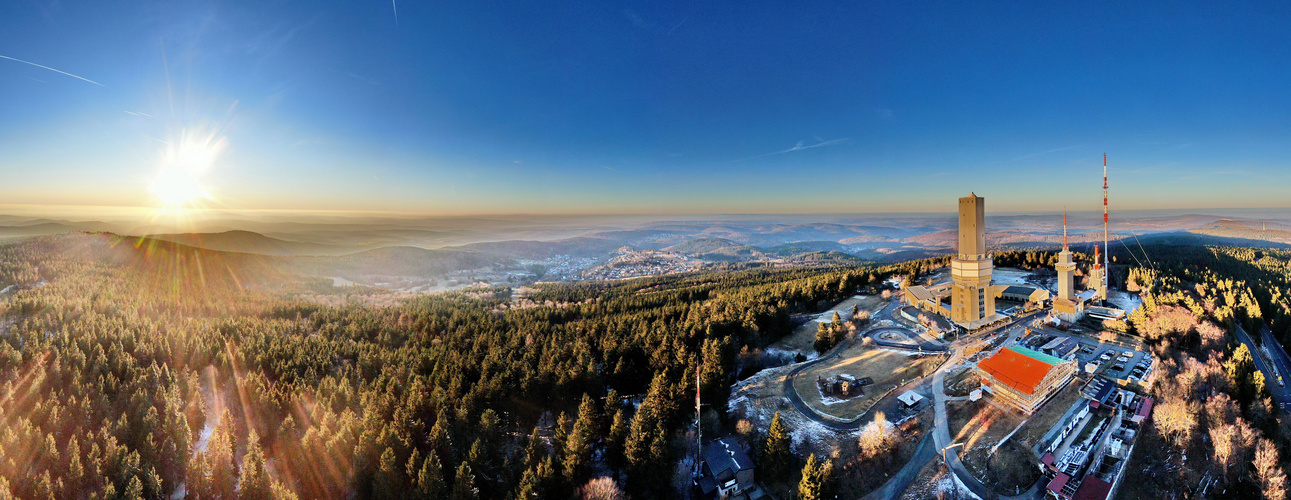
{"x":644,"y":107}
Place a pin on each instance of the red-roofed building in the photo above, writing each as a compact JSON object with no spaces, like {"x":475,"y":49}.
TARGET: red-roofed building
{"x":1024,"y":378}
{"x":1144,"y":411}
{"x":1092,"y":488}
{"x":1058,"y":482}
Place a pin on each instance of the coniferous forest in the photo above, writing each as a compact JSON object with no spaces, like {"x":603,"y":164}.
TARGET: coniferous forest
{"x":133,"y":368}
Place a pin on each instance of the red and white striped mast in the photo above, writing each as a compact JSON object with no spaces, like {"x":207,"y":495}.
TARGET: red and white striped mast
{"x":1107,"y":266}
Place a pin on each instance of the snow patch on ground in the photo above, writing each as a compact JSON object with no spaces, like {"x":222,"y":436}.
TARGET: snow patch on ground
{"x":759,"y":397}
{"x":950,"y":487}
{"x":786,"y":356}
{"x":1010,"y":276}
{"x":1126,"y":301}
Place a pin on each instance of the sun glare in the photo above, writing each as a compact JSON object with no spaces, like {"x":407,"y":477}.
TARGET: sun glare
{"x":176,"y":188}
{"x":184,"y":162}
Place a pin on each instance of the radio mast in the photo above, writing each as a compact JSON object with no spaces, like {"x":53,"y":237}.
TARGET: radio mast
{"x":1107,"y":266}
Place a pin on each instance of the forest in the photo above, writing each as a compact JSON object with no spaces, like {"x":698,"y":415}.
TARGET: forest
{"x":1216,"y":431}
{"x":136,"y":368}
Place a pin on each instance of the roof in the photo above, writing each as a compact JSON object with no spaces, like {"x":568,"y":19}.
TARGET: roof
{"x":1047,"y":459}
{"x":1019,"y":290}
{"x":1104,"y":394}
{"x":919,"y":293}
{"x":910,"y":398}
{"x":1145,"y":408}
{"x":1092,"y":488}
{"x":1058,"y":482}
{"x":1054,"y":343}
{"x":726,"y":454}
{"x":1019,"y":367}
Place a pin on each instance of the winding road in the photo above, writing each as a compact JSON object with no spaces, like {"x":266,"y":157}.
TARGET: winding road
{"x":940,"y":437}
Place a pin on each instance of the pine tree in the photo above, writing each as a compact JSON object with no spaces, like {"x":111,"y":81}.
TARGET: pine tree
{"x":559,"y":438}
{"x":412,"y":467}
{"x":578,"y":445}
{"x":253,"y":484}
{"x":134,"y":489}
{"x":536,"y":482}
{"x":535,"y":450}
{"x":777,"y":458}
{"x":464,"y":486}
{"x":388,"y":483}
{"x":619,"y":427}
{"x":220,"y":452}
{"x":809,"y":485}
{"x":430,"y":480}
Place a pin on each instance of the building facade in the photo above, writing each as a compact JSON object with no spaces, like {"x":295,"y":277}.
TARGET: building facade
{"x":1023,"y":378}
{"x":971,"y":302}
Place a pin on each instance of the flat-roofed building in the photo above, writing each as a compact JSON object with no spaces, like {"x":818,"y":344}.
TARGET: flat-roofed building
{"x":1019,"y":293}
{"x":931,"y":299}
{"x":1023,"y":378}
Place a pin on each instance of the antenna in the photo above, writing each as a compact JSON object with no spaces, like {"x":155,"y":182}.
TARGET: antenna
{"x":1106,"y":260}
{"x":1064,"y":229}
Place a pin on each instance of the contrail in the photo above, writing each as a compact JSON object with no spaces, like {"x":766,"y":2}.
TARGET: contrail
{"x":396,"y":12}
{"x":55,"y":70}
{"x":139,"y":114}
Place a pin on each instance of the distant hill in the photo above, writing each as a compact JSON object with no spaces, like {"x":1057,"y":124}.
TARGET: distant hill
{"x":248,"y":242}
{"x":395,"y":261}
{"x":805,"y":247}
{"x":1248,"y":230}
{"x":39,"y":229}
{"x":705,"y":245}
{"x":582,"y":246}
{"x":947,"y":239}
{"x":1198,"y":239}
{"x":825,"y":258}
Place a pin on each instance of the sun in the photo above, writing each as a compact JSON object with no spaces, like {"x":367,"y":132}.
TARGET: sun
{"x":176,"y":188}
{"x":185,"y":161}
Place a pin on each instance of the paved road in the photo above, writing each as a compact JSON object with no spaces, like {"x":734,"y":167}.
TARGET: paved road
{"x":898,"y":483}
{"x":928,"y":448}
{"x":1281,"y":395}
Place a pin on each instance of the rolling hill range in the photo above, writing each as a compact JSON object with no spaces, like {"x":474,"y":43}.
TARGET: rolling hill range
{"x":249,"y":242}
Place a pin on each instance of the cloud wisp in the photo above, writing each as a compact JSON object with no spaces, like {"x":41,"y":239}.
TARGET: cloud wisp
{"x":54,"y":70}
{"x":800,"y":146}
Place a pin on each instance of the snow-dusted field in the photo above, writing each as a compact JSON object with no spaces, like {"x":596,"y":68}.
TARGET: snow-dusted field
{"x":759,"y":397}
{"x":1010,"y":276}
{"x":1127,"y":301}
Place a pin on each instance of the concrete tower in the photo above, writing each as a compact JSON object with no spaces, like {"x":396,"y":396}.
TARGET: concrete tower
{"x":1066,"y":304}
{"x":1098,"y":278}
{"x":971,"y":299}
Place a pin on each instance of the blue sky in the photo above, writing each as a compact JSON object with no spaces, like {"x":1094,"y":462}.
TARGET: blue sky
{"x":648,"y":107}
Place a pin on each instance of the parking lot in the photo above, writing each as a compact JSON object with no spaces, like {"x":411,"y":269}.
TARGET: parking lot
{"x":1110,"y":358}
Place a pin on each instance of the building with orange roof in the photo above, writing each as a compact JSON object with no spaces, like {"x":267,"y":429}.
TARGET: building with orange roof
{"x":1023,"y":378}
